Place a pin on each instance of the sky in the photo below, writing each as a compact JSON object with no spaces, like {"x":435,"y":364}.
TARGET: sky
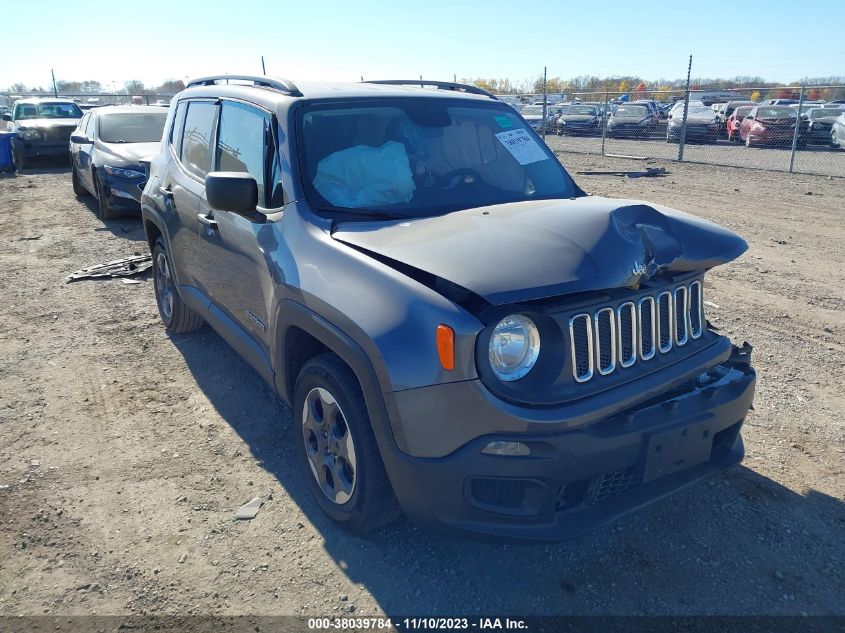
{"x":154,"y":40}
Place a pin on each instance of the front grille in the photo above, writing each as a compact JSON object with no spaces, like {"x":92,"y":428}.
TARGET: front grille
{"x":57,"y":133}
{"x":610,"y":338}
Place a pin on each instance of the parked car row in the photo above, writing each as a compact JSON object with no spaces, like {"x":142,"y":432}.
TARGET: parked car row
{"x":737,"y":121}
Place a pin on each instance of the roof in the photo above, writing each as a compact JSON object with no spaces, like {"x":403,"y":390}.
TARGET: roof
{"x":45,"y":100}
{"x":132,"y":109}
{"x":330,"y":90}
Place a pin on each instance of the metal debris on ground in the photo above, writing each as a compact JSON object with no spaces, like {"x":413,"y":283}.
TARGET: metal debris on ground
{"x":125,"y":267}
{"x":248,"y":510}
{"x":129,"y":282}
{"x":34,"y":236}
{"x":649,"y":172}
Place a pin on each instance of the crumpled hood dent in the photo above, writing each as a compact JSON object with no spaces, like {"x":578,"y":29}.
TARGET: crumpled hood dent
{"x":539,"y":249}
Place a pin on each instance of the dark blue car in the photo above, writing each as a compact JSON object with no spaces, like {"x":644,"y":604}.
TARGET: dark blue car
{"x":106,"y":150}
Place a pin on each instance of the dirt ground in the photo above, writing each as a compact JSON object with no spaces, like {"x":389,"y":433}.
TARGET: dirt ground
{"x":124,"y":453}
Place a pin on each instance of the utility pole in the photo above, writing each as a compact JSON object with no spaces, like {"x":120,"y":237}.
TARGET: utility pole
{"x":686,"y":107}
{"x":55,"y":90}
{"x":543,"y":124}
{"x":263,"y":70}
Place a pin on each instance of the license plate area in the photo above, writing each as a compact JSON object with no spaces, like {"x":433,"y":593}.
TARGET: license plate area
{"x":676,"y":450}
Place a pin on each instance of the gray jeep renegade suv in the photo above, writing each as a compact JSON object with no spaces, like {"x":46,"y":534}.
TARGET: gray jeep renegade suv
{"x":462,"y":333}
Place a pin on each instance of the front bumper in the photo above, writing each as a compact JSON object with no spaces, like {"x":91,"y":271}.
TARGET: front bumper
{"x":40,"y":148}
{"x":578,"y":480}
{"x":124,"y":192}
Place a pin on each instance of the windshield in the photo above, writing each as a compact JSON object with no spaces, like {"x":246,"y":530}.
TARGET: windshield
{"x":742,"y":111}
{"x":532,"y":110}
{"x":632,"y":111}
{"x":776,"y":112}
{"x":422,"y":157}
{"x":580,"y":109}
{"x":817,"y":113}
{"x":47,"y":111}
{"x":132,"y":127}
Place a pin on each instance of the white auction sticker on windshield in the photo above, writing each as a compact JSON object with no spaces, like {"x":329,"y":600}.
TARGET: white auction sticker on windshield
{"x":521,"y":146}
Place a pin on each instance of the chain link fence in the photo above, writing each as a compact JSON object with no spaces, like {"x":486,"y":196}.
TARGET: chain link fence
{"x":793,"y":129}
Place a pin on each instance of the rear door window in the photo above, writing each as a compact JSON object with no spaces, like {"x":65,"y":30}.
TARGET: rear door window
{"x":196,"y":139}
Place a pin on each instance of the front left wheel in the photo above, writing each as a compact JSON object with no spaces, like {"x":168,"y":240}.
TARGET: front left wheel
{"x":337,"y":450}
{"x":104,"y":209}
{"x":78,"y":188}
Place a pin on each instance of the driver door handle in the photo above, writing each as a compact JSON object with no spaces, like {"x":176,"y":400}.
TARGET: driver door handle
{"x":211,"y":223}
{"x":166,"y":192}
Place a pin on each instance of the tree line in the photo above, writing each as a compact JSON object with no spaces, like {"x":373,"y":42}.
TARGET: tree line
{"x":132,"y":87}
{"x":667,"y":88}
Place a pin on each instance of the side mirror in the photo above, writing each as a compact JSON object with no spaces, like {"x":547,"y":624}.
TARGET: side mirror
{"x":232,"y":191}
{"x":80,"y":139}
{"x":7,"y":117}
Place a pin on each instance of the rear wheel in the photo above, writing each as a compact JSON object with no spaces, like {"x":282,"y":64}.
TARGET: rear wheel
{"x":337,"y":450}
{"x":176,"y":316}
{"x":104,"y":209}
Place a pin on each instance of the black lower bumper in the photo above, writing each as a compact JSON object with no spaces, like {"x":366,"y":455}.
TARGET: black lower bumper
{"x":579,"y":480}
{"x":40,"y":148}
{"x":124,"y":192}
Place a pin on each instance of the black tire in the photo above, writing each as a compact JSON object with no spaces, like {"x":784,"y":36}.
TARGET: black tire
{"x":20,"y":161}
{"x":371,"y":502}
{"x":104,"y":209}
{"x":176,"y":316}
{"x":78,"y":188}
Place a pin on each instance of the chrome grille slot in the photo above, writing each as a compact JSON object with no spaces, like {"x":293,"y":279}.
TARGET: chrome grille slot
{"x":696,"y":317}
{"x":581,"y":343}
{"x":681,"y":300}
{"x":626,"y":321}
{"x":621,"y":334}
{"x":664,"y":321}
{"x":648,"y":328}
{"x":605,"y":340}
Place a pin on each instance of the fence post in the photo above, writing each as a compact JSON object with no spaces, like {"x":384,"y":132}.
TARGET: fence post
{"x":604,"y":118}
{"x":683,"y":138}
{"x":797,"y":128}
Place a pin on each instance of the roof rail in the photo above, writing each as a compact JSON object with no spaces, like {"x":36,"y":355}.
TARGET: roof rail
{"x":440,"y":85}
{"x":277,"y":83}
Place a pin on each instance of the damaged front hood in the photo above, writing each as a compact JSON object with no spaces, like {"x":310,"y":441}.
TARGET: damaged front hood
{"x":532,"y":250}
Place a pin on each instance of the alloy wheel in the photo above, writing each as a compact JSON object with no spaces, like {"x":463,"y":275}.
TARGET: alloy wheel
{"x":329,"y":446}
{"x":164,"y":285}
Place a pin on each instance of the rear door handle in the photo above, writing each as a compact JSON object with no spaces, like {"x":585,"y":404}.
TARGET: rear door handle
{"x":166,"y":192}
{"x":211,"y":223}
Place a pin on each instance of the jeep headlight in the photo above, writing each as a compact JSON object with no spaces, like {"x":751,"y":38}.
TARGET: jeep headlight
{"x":29,"y":134}
{"x":514,"y":347}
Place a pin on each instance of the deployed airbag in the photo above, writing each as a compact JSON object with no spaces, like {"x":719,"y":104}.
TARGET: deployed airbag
{"x":363,"y":176}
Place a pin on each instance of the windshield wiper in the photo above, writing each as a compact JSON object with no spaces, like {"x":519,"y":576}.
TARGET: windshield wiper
{"x":374,"y":213}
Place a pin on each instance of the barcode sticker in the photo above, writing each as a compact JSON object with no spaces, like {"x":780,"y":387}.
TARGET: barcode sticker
{"x":522,"y":146}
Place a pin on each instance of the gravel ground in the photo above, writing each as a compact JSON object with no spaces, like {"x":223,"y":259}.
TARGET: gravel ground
{"x":814,"y":159}
{"x":124,"y":453}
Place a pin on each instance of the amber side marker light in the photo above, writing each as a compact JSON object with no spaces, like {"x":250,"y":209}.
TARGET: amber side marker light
{"x":446,"y":346}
